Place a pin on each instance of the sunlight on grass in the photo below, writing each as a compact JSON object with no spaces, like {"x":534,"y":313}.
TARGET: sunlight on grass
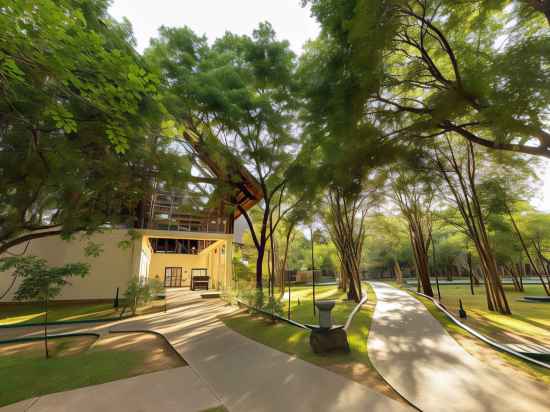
{"x":30,"y":318}
{"x":59,"y":311}
{"x":460,"y":334}
{"x":301,"y":303}
{"x":295,"y":341}
{"x":18,"y":374}
{"x":530,"y":320}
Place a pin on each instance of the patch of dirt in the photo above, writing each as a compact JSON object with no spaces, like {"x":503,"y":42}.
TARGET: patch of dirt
{"x":160,"y":355}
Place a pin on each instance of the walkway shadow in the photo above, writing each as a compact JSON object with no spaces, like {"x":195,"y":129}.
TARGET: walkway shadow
{"x":414,"y":353}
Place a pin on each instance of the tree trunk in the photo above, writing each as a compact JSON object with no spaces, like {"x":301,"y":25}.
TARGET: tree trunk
{"x":464,"y":190}
{"x":346,"y":225}
{"x":470,"y":273}
{"x":259,"y":268}
{"x":420,"y":253}
{"x":398,"y":273}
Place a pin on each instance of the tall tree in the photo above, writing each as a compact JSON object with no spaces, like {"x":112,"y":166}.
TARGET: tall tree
{"x":346,"y":223}
{"x":237,"y":93}
{"x":430,"y":67}
{"x":459,"y":166}
{"x":414,"y":195}
{"x":78,"y":118}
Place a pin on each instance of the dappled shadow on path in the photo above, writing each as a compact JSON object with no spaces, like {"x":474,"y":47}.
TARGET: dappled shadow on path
{"x":413,"y":352}
{"x":248,"y":375}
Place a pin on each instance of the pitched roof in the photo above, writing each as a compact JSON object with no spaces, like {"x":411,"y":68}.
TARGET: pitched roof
{"x":227,"y":168}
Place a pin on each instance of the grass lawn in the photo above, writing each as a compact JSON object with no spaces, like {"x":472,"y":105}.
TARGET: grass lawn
{"x":23,"y":313}
{"x":483,"y":351}
{"x":292,"y":340}
{"x":529,"y":321}
{"x":25,"y":373}
{"x":301,"y":303}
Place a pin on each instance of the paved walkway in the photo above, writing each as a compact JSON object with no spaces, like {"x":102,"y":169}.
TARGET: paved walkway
{"x":249,"y":376}
{"x":172,"y":390}
{"x":227,"y":368}
{"x":414,"y":353}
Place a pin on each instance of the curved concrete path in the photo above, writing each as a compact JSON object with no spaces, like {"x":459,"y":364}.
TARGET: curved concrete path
{"x":415,"y":354}
{"x":158,"y":391}
{"x":224,"y":368}
{"x":248,"y":376}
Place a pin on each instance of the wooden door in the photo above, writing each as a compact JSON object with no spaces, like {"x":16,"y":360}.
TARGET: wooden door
{"x":172,"y":277}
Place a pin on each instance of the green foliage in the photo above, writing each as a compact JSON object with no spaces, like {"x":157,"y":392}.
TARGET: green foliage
{"x":140,"y":293}
{"x":252,"y":297}
{"x":422,"y":68}
{"x":257,"y":299}
{"x":80,"y":136}
{"x":40,"y":282}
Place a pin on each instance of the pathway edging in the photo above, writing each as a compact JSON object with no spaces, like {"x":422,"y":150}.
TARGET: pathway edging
{"x":416,"y":355}
{"x":480,"y":336}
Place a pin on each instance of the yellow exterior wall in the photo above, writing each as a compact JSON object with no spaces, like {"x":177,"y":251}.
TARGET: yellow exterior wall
{"x":111,"y":269}
{"x":210,"y":258}
{"x":160,"y":261}
{"x":115,"y":265}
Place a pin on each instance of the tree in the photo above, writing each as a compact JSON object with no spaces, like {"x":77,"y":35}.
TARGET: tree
{"x":458,"y":165}
{"x":282,"y":232}
{"x":341,"y":149}
{"x":388,"y":244}
{"x":505,"y":202}
{"x":39,"y":282}
{"x":431,"y":67}
{"x":140,"y":293}
{"x":414,"y":195}
{"x":345,"y":219}
{"x":236,"y":96}
{"x":80,"y":131}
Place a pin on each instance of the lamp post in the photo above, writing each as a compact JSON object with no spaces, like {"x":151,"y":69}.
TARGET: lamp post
{"x":313,"y":269}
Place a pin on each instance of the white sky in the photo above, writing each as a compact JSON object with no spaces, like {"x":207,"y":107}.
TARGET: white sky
{"x":214,"y":17}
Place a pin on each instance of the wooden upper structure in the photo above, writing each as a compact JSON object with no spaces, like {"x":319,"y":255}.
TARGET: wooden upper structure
{"x":235,"y":188}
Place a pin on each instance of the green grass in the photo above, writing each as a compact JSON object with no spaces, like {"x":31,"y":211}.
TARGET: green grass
{"x":295,"y":341}
{"x":528,"y":320}
{"x":29,"y":374}
{"x":32,"y":313}
{"x":25,"y":313}
{"x":461,"y":335}
{"x":301,"y":303}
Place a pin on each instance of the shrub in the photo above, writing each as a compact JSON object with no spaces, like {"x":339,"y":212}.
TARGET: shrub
{"x":138,"y":294}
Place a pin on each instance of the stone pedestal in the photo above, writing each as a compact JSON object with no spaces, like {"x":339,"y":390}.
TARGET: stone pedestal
{"x":326,"y":337}
{"x":327,"y":340}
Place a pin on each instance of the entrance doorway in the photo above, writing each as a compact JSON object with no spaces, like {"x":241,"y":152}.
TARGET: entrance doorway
{"x":172,"y":277}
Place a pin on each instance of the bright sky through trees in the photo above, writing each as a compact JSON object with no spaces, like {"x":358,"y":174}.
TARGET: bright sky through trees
{"x":214,"y":17}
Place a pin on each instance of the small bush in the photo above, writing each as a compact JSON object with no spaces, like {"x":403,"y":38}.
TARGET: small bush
{"x":138,"y":293}
{"x":257,"y":299}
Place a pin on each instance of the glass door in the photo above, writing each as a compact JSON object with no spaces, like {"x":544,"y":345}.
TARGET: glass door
{"x":172,"y":277}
